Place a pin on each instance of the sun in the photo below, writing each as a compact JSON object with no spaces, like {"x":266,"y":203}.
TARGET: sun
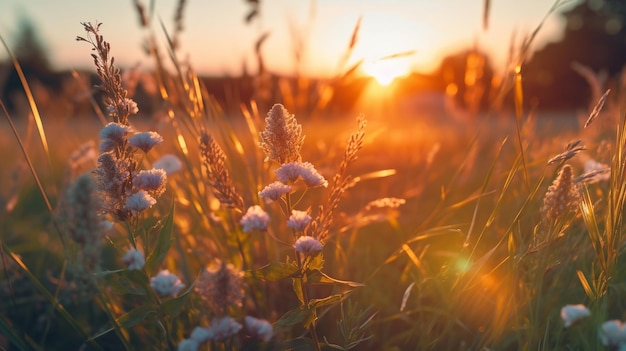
{"x":385,"y":71}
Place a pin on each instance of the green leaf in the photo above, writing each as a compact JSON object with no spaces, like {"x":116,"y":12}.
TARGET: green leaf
{"x":300,"y":315}
{"x":274,"y":271}
{"x":133,"y":282}
{"x":329,"y":300}
{"x":297,"y":289}
{"x":316,"y":276}
{"x":316,"y":262}
{"x":135,"y":316}
{"x":164,"y":241}
{"x":172,"y":307}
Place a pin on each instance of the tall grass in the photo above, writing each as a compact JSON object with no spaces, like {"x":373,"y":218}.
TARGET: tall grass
{"x":224,"y":232}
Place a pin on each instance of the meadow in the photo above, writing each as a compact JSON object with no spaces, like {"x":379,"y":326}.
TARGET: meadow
{"x":401,"y":228}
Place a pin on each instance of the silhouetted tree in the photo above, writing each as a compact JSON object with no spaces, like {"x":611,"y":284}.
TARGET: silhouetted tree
{"x":595,"y":36}
{"x":467,"y":77}
{"x":32,"y":56}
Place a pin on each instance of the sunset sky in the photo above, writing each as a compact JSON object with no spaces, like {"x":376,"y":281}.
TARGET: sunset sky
{"x":216,"y":39}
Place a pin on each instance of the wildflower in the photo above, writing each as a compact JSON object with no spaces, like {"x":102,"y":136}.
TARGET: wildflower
{"x":79,"y":210}
{"x":107,"y":145}
{"x":169,"y":163}
{"x":595,"y":172}
{"x":115,"y":132}
{"x":386,"y":202}
{"x":259,"y":328}
{"x":201,"y":335}
{"x":562,"y":196}
{"x":573,"y":313}
{"x":219,"y":286}
{"x":214,"y":160}
{"x":308,"y":245}
{"x":305,"y":170}
{"x":139,"y":201}
{"x":82,"y":206}
{"x":84,"y":154}
{"x":145,"y":141}
{"x":151,"y":181}
{"x":224,"y":327}
{"x":572,"y":149}
{"x":298,"y":220}
{"x":113,"y":180}
{"x":282,"y":138}
{"x":255,"y":219}
{"x":166,"y":284}
{"x":123,"y":107}
{"x":613,"y":333}
{"x":275,"y":190}
{"x":188,"y":345}
{"x":134,"y":259}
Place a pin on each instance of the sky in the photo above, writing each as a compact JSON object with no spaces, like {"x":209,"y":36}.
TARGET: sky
{"x":216,"y":40}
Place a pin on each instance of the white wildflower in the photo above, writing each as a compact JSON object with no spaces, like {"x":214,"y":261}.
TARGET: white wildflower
{"x":308,"y":245}
{"x":255,"y":219}
{"x":188,"y":345}
{"x":573,"y":313}
{"x":223,"y":328}
{"x":145,"y":141}
{"x":290,"y":172}
{"x":166,"y":284}
{"x":169,"y":163}
{"x":134,"y":259}
{"x":298,"y":220}
{"x":275,"y":190}
{"x":139,"y":201}
{"x":259,"y":328}
{"x":201,"y":335}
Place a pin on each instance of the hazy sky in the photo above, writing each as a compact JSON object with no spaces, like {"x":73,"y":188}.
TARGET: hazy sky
{"x":216,"y":39}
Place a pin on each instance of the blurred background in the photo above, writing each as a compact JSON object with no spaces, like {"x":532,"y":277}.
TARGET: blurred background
{"x":325,"y":57}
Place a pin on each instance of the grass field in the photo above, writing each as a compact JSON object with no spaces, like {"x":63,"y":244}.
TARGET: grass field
{"x":413,"y":228}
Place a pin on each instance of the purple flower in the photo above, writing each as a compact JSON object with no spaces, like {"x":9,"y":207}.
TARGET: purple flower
{"x":308,"y":245}
{"x":255,"y":219}
{"x":275,"y":190}
{"x":145,"y":141}
{"x":298,"y":220}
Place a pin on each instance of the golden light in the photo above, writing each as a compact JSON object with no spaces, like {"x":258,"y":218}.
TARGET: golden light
{"x":386,"y":71}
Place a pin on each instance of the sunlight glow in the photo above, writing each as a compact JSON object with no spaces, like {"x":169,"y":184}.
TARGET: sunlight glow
{"x":386,"y":71}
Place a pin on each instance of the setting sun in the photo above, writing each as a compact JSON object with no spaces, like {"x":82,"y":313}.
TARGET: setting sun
{"x":386,"y":70}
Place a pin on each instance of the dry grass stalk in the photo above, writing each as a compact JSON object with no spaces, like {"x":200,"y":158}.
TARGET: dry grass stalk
{"x":214,"y":160}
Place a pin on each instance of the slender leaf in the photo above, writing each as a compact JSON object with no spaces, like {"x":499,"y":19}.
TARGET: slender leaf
{"x":135,"y":316}
{"x":163,"y":243}
{"x":274,"y":271}
{"x":172,"y":307}
{"x":316,"y":276}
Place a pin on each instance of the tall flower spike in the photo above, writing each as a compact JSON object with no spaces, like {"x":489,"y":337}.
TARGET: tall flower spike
{"x":219,"y":286}
{"x":282,"y":138}
{"x":563,"y":196}
{"x":214,"y":160}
